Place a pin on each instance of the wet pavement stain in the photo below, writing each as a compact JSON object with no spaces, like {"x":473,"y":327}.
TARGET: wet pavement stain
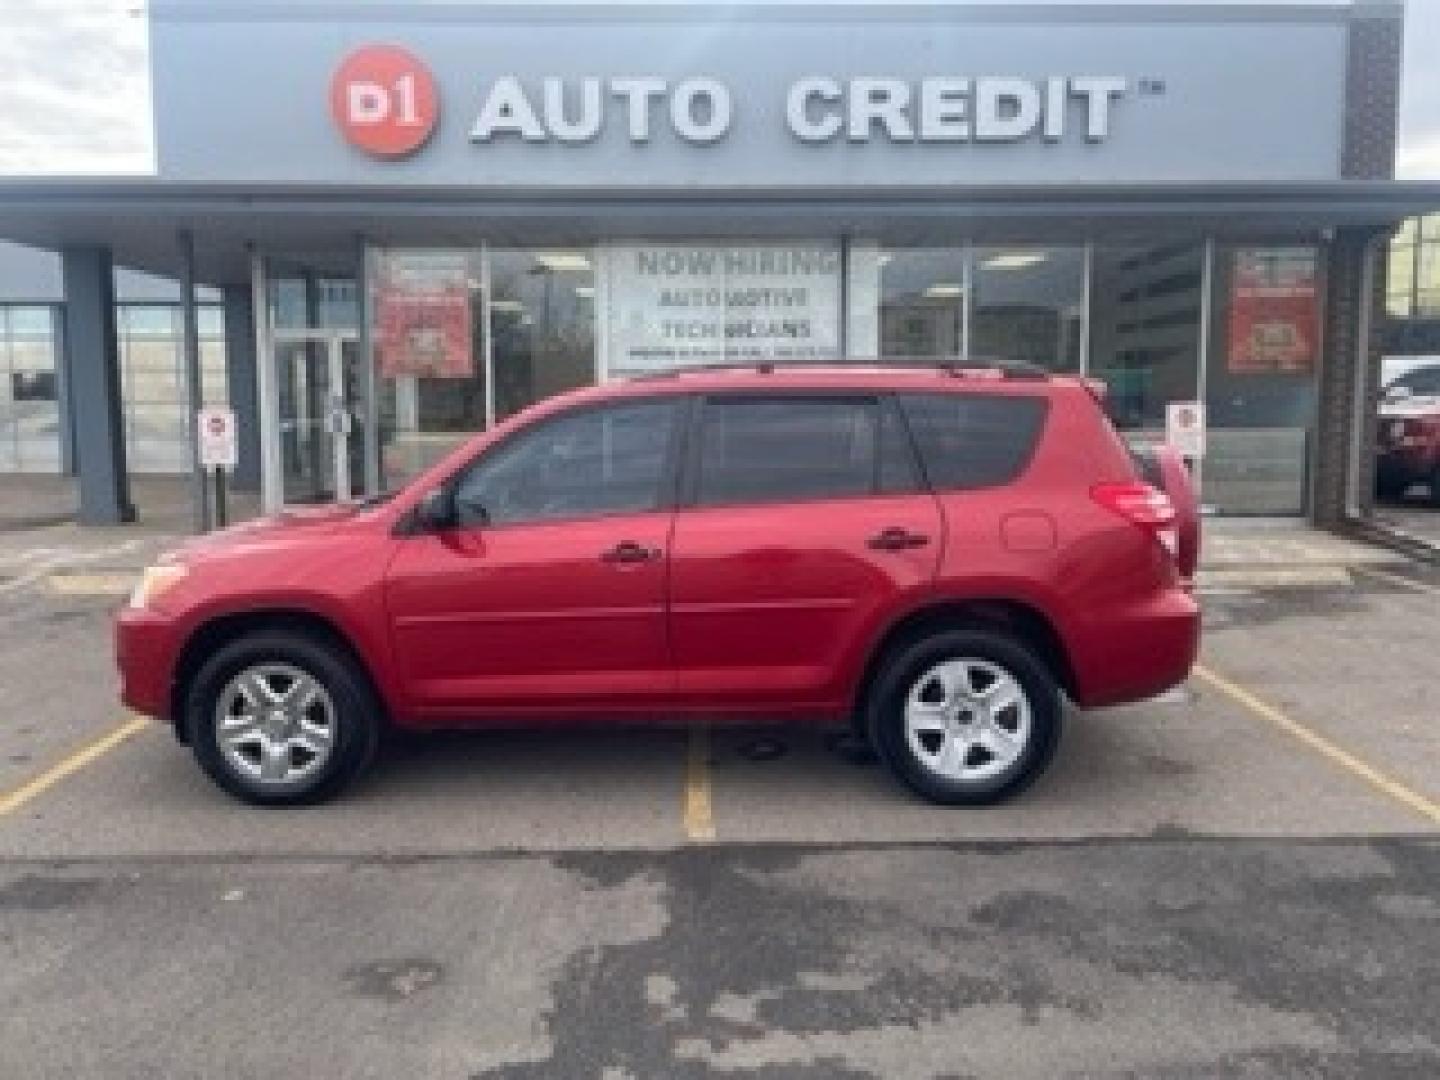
{"x":33,"y":892}
{"x":393,"y":980}
{"x":1247,"y":959}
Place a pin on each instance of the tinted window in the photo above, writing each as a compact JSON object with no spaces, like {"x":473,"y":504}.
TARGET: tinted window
{"x":774,"y":449}
{"x":898,"y":469}
{"x":608,"y":460}
{"x":973,"y":440}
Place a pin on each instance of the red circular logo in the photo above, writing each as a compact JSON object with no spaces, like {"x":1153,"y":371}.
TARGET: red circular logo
{"x":383,"y":99}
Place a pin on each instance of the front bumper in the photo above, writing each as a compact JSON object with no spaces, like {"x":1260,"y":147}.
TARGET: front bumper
{"x":145,"y":655}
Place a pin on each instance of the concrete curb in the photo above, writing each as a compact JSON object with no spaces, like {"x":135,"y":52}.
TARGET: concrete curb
{"x":1392,"y":539}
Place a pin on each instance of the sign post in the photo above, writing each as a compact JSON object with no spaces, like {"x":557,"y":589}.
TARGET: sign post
{"x":1185,"y":431}
{"x":219,"y":451}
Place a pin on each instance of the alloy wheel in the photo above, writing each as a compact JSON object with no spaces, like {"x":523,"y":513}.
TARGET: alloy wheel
{"x":967,"y":719}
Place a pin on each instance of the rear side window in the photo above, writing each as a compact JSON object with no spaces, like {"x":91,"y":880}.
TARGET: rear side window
{"x":756,"y":449}
{"x":973,"y":440}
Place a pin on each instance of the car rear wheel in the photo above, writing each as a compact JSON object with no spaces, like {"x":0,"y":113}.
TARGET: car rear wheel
{"x":967,"y":716}
{"x":280,"y":718}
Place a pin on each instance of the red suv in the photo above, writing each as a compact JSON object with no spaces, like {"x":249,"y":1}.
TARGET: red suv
{"x":937,"y":556}
{"x":1409,"y":435}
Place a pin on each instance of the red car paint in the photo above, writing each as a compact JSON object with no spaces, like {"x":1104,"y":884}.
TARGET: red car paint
{"x":769,"y":610}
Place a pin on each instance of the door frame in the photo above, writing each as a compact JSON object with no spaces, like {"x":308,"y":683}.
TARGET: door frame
{"x":333,"y":342}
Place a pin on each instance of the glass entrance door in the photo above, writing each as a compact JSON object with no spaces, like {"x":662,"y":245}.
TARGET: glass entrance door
{"x":319,"y":390}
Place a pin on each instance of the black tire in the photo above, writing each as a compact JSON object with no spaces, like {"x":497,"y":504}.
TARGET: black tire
{"x":885,"y":713}
{"x":1435,"y":487}
{"x":356,"y":723}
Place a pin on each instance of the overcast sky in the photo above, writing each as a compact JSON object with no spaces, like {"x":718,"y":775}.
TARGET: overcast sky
{"x":75,"y":95}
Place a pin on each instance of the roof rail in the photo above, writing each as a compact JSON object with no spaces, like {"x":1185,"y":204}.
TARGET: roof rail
{"x":764,"y":368}
{"x":956,"y":369}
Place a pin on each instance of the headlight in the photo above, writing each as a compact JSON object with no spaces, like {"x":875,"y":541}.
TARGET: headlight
{"x":155,"y":581}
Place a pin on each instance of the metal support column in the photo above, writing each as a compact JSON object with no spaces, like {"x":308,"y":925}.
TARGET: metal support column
{"x":369,"y":380}
{"x":272,"y":478}
{"x":92,"y":374}
{"x":194,"y":398}
{"x":242,"y":379}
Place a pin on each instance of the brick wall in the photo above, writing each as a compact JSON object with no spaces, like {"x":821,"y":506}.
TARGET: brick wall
{"x":1350,"y":371}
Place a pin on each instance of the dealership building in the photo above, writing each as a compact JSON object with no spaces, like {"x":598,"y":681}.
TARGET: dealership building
{"x":375,"y":229}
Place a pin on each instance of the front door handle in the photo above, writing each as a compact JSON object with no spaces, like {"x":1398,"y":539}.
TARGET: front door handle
{"x":627,"y":551}
{"x":896,"y":538}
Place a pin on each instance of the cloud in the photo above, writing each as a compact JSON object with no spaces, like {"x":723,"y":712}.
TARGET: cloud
{"x":75,"y":96}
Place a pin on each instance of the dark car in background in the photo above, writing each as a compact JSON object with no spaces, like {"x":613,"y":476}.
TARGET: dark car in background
{"x":1408,"y":435}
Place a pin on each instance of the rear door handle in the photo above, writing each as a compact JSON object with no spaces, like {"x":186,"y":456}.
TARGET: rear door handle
{"x":897,"y":539}
{"x":627,"y":551}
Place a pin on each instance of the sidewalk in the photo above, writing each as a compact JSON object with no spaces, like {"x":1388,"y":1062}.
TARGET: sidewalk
{"x":39,"y":536}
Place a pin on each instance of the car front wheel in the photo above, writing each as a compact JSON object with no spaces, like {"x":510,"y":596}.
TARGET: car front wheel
{"x":279,"y":718}
{"x":966,"y":716}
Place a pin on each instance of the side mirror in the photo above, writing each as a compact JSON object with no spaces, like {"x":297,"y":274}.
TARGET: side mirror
{"x":436,"y":511}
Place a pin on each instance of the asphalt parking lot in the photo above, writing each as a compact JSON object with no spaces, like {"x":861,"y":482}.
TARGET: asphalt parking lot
{"x":1240,"y":878}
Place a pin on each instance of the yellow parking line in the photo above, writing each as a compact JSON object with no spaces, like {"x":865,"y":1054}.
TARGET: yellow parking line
{"x":699,"y":819}
{"x":1395,"y":579}
{"x":1388,"y":785}
{"x":92,"y":584}
{"x":13,"y":800}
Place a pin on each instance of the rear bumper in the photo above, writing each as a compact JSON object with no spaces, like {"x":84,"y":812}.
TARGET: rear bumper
{"x":1143,"y":651}
{"x":1408,"y":464}
{"x":145,"y":655}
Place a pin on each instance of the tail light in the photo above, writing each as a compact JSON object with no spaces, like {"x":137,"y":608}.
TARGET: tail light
{"x":1412,"y":431}
{"x":1143,"y":506}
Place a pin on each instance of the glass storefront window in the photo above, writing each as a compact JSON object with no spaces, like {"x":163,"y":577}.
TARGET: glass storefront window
{"x":672,"y":305}
{"x":152,"y":371}
{"x":443,"y":371}
{"x":542,"y":325}
{"x":29,"y":394}
{"x":428,"y":336}
{"x":1145,"y":331}
{"x":1260,"y":381}
{"x":301,"y":301}
{"x":1028,"y":306}
{"x":921,"y":303}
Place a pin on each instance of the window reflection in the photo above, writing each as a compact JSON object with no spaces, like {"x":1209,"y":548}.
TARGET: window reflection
{"x":29,"y":405}
{"x":1145,"y":330}
{"x":444,"y":373}
{"x":1028,"y":306}
{"x":922,"y":303}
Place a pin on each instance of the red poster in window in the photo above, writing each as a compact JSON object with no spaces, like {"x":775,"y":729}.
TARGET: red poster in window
{"x":422,"y":317}
{"x":1274,"y":312}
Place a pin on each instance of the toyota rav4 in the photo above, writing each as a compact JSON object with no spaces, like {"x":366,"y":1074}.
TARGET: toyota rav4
{"x":939,"y":557}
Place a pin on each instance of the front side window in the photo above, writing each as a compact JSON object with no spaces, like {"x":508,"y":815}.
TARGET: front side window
{"x":973,"y":440}
{"x":608,"y":460}
{"x":786,"y":449}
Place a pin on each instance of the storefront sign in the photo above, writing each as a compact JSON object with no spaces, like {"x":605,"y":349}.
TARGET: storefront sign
{"x":817,"y":108}
{"x":1274,"y":311}
{"x":679,"y":305}
{"x":384,"y":101}
{"x":518,"y":98}
{"x":422,"y":315}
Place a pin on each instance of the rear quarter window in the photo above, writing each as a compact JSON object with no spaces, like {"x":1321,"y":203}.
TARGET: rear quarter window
{"x":973,"y":440}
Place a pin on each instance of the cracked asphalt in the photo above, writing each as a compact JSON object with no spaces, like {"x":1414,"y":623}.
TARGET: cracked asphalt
{"x":1193,"y":891}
